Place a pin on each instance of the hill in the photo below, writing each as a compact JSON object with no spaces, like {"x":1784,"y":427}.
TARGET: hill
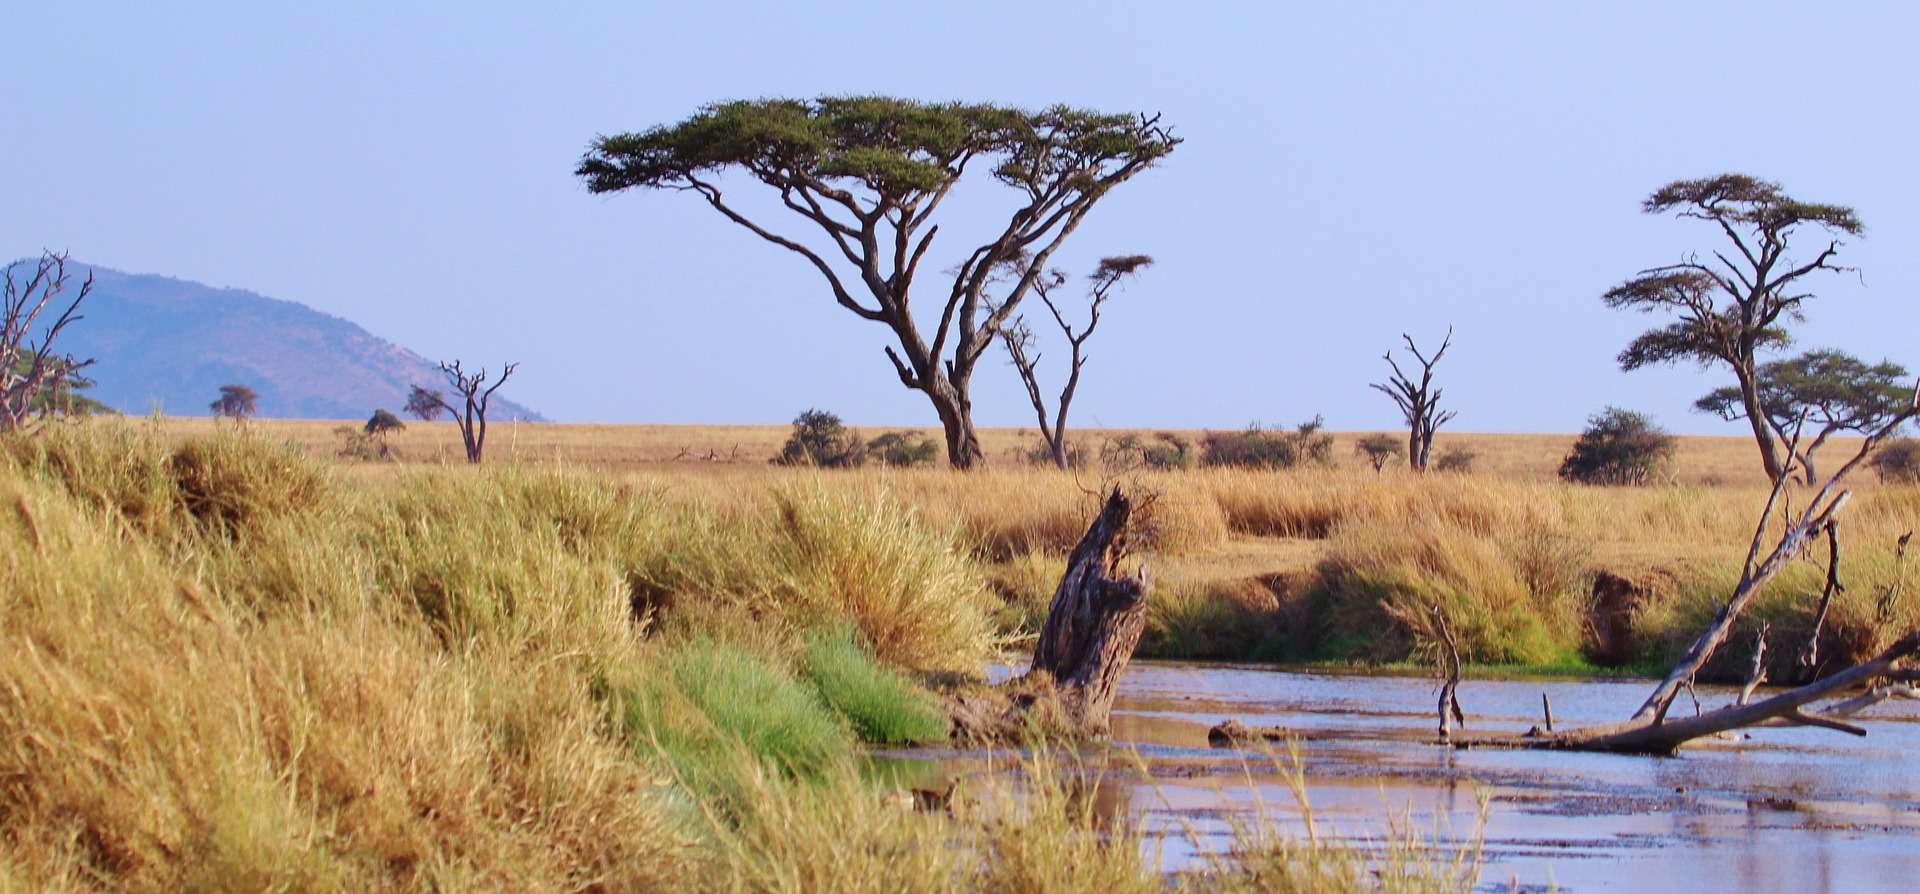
{"x":165,"y":342}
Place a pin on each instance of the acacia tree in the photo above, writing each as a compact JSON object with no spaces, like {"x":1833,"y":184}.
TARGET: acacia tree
{"x":868,"y":174}
{"x":1419,"y":402}
{"x":31,"y":374}
{"x":1833,"y":391}
{"x":235,"y":402}
{"x":1730,"y":310}
{"x":1019,"y":339}
{"x":424,"y":404}
{"x":475,"y":394}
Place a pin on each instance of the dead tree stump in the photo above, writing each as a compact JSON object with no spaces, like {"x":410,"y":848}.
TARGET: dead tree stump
{"x":1094,"y":623}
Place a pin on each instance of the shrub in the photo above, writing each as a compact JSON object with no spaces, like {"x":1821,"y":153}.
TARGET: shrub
{"x":1619,"y":447}
{"x":1456,"y":459}
{"x":1261,"y":448}
{"x":1166,"y":451}
{"x":902,"y":449}
{"x":1898,"y":461}
{"x":881,"y":705}
{"x":820,"y":439}
{"x":1380,"y":449}
{"x":361,"y":445}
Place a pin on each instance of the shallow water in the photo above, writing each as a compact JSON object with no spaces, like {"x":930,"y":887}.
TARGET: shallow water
{"x":1800,"y":810}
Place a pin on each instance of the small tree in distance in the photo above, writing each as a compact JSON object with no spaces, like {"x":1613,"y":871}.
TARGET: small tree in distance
{"x":1419,"y":402}
{"x":425,"y":404}
{"x":235,"y":402}
{"x":820,"y":439}
{"x":475,"y":396}
{"x":1619,"y":447}
{"x":1380,"y":449}
{"x":1834,"y":391}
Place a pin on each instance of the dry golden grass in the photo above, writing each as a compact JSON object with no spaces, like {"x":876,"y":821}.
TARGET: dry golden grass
{"x":1710,"y":460}
{"x":232,"y":668}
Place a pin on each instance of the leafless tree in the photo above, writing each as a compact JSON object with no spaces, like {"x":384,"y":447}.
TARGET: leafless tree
{"x":29,"y":368}
{"x":1019,"y":340}
{"x":476,"y":394}
{"x":1419,"y":402}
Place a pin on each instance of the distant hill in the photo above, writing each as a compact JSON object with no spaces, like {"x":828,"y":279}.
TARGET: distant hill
{"x":173,"y":343}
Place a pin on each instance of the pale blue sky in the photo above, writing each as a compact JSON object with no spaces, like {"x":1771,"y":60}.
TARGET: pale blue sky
{"x":1350,"y":171}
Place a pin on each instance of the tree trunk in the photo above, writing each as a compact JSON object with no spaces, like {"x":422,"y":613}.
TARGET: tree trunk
{"x":956,"y":419}
{"x":1095,"y":621}
{"x":1059,"y":448}
{"x":1757,"y":418}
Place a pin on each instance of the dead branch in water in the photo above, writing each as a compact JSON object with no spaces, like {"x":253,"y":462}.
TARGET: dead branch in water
{"x":1449,"y":658}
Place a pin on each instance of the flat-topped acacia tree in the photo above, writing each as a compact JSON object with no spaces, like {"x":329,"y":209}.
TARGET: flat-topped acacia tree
{"x":1730,"y":310}
{"x":867,"y":174}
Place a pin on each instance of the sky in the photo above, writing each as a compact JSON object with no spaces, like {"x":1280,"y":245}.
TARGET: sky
{"x":1350,"y":172}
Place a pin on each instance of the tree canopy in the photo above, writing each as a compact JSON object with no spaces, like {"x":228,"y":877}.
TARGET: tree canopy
{"x":1836,"y":391}
{"x":868,"y":174}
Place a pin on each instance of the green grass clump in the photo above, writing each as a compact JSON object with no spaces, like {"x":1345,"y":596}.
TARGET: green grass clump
{"x":882,"y":706}
{"x":711,"y":701}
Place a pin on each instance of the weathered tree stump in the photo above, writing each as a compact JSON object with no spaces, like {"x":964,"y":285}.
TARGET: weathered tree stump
{"x":1093,"y":624}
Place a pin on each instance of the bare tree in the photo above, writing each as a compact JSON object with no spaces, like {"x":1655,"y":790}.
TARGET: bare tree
{"x":30,"y":371}
{"x":424,"y":404}
{"x":1419,"y":402}
{"x":1019,"y":340}
{"x":476,"y":394}
{"x":235,"y":402}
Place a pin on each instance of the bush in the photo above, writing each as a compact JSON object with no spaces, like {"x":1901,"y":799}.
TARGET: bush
{"x":1165,"y":451}
{"x":820,"y":439}
{"x":1456,"y":459}
{"x":1042,"y":455}
{"x":902,"y":449}
{"x":1380,"y":449}
{"x":1897,"y":461}
{"x":1261,"y":448}
{"x":1619,"y":447}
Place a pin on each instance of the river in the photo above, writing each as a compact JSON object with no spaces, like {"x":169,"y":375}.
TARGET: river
{"x":1800,"y":810}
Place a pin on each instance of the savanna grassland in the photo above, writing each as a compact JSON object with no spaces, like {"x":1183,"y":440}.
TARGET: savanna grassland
{"x":238,"y":662}
{"x":1309,"y":565}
